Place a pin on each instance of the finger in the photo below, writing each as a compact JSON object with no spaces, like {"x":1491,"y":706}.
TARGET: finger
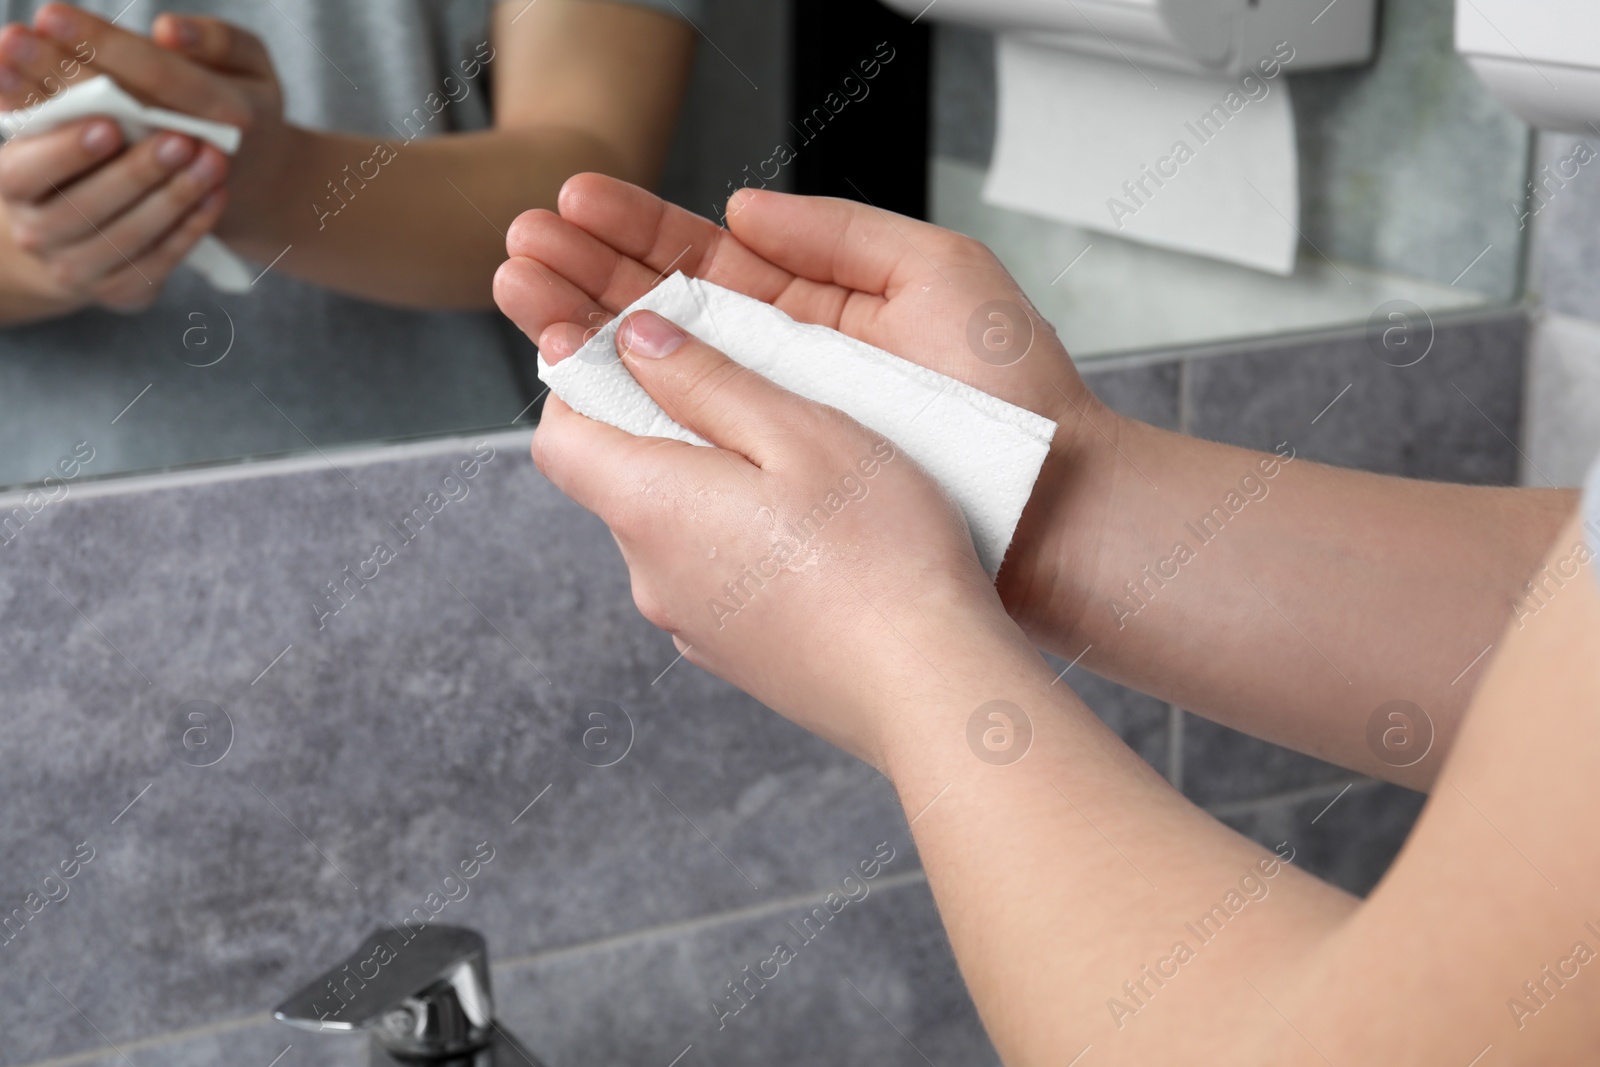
{"x":213,"y":42}
{"x":144,"y":68}
{"x":609,"y":471}
{"x":662,"y":236}
{"x":138,"y":284}
{"x":89,"y":205}
{"x":729,"y":405}
{"x":838,"y":242}
{"x":636,"y":224}
{"x":34,"y":167}
{"x":35,"y":67}
{"x":143,"y":225}
{"x":607,"y":278}
{"x":560,"y":340}
{"x":534,"y":296}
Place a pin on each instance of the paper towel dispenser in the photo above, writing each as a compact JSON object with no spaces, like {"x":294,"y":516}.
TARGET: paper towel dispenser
{"x":1198,"y":36}
{"x":1540,"y":57}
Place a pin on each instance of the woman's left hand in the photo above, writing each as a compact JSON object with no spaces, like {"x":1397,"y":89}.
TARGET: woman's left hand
{"x":802,"y":558}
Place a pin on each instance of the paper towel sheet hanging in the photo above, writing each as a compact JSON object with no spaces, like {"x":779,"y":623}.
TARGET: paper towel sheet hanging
{"x":1198,"y":164}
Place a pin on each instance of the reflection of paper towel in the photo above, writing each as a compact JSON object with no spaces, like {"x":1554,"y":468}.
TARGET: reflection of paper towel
{"x":103,"y":96}
{"x":1199,"y":164}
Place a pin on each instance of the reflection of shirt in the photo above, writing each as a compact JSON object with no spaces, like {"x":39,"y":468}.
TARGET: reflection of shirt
{"x":293,"y":362}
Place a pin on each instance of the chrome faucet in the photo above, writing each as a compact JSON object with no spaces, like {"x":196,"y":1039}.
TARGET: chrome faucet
{"x":422,"y":994}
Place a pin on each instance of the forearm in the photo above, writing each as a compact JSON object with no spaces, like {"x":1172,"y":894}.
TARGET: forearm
{"x":1076,"y":869}
{"x":1286,"y":598}
{"x":413,"y":224}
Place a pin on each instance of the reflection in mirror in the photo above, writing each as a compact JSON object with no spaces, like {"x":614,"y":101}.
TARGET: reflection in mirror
{"x":1410,"y":181}
{"x":386,"y":150}
{"x":370,"y":207}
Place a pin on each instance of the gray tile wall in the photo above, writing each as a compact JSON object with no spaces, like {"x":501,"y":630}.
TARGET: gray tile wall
{"x":445,"y":704}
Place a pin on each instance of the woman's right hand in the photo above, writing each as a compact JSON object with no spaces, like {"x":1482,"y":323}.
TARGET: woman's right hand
{"x":919,"y":291}
{"x":103,"y":222}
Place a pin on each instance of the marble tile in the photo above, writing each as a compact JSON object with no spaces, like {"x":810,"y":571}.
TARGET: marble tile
{"x":1350,"y":840}
{"x":1565,"y":223}
{"x":368,"y":757}
{"x":1148,"y":393}
{"x":1222,"y":765}
{"x":1452,"y":416}
{"x":1562,"y":433}
{"x":648,"y":999}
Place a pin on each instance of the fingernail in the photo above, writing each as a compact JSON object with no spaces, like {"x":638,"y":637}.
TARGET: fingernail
{"x":649,"y":335}
{"x":9,"y":79}
{"x":188,"y":33}
{"x":174,"y":151}
{"x":22,"y":47}
{"x":56,"y":22}
{"x":206,"y":168}
{"x":99,"y":138}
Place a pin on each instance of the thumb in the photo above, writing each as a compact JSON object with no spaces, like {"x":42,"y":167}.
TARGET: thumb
{"x":728,"y":404}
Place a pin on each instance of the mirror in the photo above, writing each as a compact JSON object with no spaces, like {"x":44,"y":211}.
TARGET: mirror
{"x":1410,"y":176}
{"x":324,"y":348}
{"x":1412,"y":183}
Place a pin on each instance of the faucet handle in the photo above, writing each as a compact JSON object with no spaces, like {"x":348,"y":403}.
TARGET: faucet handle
{"x":422,"y":993}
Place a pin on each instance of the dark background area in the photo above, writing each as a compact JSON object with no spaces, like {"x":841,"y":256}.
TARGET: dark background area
{"x":875,"y":148}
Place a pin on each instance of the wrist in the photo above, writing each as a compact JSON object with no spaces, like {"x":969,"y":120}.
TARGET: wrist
{"x":967,"y":659}
{"x":260,"y":225}
{"x":1048,"y":582}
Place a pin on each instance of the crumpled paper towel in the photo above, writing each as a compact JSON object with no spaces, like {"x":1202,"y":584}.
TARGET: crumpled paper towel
{"x":985,"y":452}
{"x":102,"y":96}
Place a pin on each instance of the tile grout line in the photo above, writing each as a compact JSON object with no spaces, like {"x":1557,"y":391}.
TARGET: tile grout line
{"x":1175,"y":746}
{"x":704,"y":922}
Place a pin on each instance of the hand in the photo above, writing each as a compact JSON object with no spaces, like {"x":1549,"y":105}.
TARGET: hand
{"x":905,"y":286}
{"x":199,"y":66}
{"x":795,"y":558}
{"x":109,"y":224}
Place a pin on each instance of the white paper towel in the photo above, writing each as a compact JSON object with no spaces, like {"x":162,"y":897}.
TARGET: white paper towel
{"x":102,"y":96}
{"x":1198,"y":164}
{"x":984,"y":451}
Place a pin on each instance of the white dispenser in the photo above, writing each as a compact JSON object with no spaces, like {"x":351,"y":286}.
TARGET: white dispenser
{"x":1540,"y":57}
{"x":1164,"y":122}
{"x":1199,"y":36}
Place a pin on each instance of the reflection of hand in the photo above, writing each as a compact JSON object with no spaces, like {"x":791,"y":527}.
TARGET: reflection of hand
{"x":778,"y":558}
{"x":109,"y":225}
{"x":195,"y":65}
{"x":908,"y":287}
